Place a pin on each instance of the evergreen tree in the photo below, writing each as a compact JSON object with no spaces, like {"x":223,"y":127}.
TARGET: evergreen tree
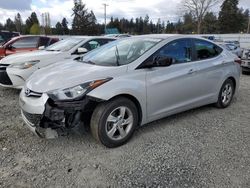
{"x":59,"y":28}
{"x":82,"y":20}
{"x":229,"y":21}
{"x":170,"y":27}
{"x":65,"y":26}
{"x":146,"y":29}
{"x":189,"y":25}
{"x":31,"y":21}
{"x":1,"y":26}
{"x":244,"y":19}
{"x":10,"y":25}
{"x":35,"y":29}
{"x":18,"y":22}
{"x":210,"y":23}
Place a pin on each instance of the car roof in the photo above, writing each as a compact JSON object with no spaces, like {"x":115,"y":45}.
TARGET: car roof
{"x":90,"y":37}
{"x":159,"y":36}
{"x":174,"y":36}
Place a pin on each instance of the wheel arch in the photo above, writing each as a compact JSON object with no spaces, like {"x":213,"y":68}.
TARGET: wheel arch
{"x":233,"y":80}
{"x":135,"y":101}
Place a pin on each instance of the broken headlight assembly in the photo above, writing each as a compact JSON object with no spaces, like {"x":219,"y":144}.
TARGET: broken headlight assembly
{"x":76,"y":92}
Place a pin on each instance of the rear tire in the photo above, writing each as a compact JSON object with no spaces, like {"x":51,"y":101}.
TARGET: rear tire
{"x":113,"y":122}
{"x":245,"y":72}
{"x":226,"y":94}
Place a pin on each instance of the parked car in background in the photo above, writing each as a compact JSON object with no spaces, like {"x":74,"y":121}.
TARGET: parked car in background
{"x":246,"y":61}
{"x":15,"y":69}
{"x":128,"y":83}
{"x":118,"y":35}
{"x":7,"y":35}
{"x":209,"y":37}
{"x":25,"y":44}
{"x":233,"y":48}
{"x":235,"y":42}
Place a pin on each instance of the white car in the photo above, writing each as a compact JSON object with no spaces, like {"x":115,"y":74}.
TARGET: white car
{"x":246,"y":61}
{"x":15,"y":69}
{"x":234,"y":49}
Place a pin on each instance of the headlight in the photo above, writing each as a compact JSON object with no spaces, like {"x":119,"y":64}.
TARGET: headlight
{"x":76,"y":91}
{"x":24,"y":65}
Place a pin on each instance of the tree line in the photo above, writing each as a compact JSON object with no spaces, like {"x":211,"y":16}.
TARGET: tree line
{"x":230,"y":19}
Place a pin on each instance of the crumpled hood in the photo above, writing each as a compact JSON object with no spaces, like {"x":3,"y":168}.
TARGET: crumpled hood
{"x":29,"y":56}
{"x":69,"y":74}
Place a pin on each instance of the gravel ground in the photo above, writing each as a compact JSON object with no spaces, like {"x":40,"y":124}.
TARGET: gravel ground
{"x":205,"y":147}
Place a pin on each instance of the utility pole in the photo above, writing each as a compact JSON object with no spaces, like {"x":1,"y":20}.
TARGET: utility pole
{"x":248,"y":27}
{"x":158,"y":25}
{"x":105,"y":16}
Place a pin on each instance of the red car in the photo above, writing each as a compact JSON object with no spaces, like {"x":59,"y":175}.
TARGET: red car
{"x":25,"y":44}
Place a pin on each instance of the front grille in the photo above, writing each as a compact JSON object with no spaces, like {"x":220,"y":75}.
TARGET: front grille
{"x":4,"y":78}
{"x":32,"y":118}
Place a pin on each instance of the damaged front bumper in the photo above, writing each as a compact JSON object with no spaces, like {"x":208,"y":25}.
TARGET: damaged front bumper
{"x":49,"y":119}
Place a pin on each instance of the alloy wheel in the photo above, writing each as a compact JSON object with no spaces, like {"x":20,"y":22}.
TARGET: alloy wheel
{"x":119,"y":123}
{"x":227,"y":94}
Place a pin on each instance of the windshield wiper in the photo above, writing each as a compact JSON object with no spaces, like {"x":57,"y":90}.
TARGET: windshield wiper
{"x":117,"y":56}
{"x":51,"y":50}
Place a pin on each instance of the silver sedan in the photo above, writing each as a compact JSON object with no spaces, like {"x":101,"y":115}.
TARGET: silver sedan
{"x":129,"y":83}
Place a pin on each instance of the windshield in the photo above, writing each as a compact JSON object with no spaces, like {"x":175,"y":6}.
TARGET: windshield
{"x":65,"y":45}
{"x":120,"y":52}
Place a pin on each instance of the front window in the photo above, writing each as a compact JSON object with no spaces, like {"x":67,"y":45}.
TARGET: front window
{"x":180,"y":51}
{"x":121,"y":52}
{"x":65,"y":45}
{"x":91,"y":45}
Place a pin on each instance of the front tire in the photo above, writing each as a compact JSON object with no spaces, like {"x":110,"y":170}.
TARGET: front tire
{"x":226,"y":94}
{"x":113,"y":122}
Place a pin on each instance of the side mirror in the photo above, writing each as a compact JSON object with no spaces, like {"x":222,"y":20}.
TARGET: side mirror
{"x":82,"y":50}
{"x":9,"y":47}
{"x":163,"y":61}
{"x":41,"y":47}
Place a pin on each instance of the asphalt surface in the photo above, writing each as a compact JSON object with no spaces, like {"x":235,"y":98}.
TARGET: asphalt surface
{"x":204,"y":147}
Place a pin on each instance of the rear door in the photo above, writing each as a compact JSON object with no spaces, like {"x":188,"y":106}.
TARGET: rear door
{"x":23,"y":45}
{"x":210,"y":68}
{"x":171,"y":89}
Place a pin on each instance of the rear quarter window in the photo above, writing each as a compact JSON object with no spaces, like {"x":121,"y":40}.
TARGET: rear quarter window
{"x":206,"y":50}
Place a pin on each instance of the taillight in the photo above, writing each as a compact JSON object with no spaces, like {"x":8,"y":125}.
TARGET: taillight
{"x":238,"y":61}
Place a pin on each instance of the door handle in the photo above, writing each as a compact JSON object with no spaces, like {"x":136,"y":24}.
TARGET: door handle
{"x":192,"y":71}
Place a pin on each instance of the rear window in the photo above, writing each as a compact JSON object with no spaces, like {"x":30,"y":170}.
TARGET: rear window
{"x":206,"y":50}
{"x":27,"y":42}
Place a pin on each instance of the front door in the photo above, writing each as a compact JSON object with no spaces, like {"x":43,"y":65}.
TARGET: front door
{"x":169,"y":89}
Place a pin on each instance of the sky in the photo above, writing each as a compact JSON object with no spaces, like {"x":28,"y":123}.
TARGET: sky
{"x":163,"y":9}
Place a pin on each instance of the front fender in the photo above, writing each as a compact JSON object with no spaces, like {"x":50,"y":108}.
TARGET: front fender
{"x":113,"y":88}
